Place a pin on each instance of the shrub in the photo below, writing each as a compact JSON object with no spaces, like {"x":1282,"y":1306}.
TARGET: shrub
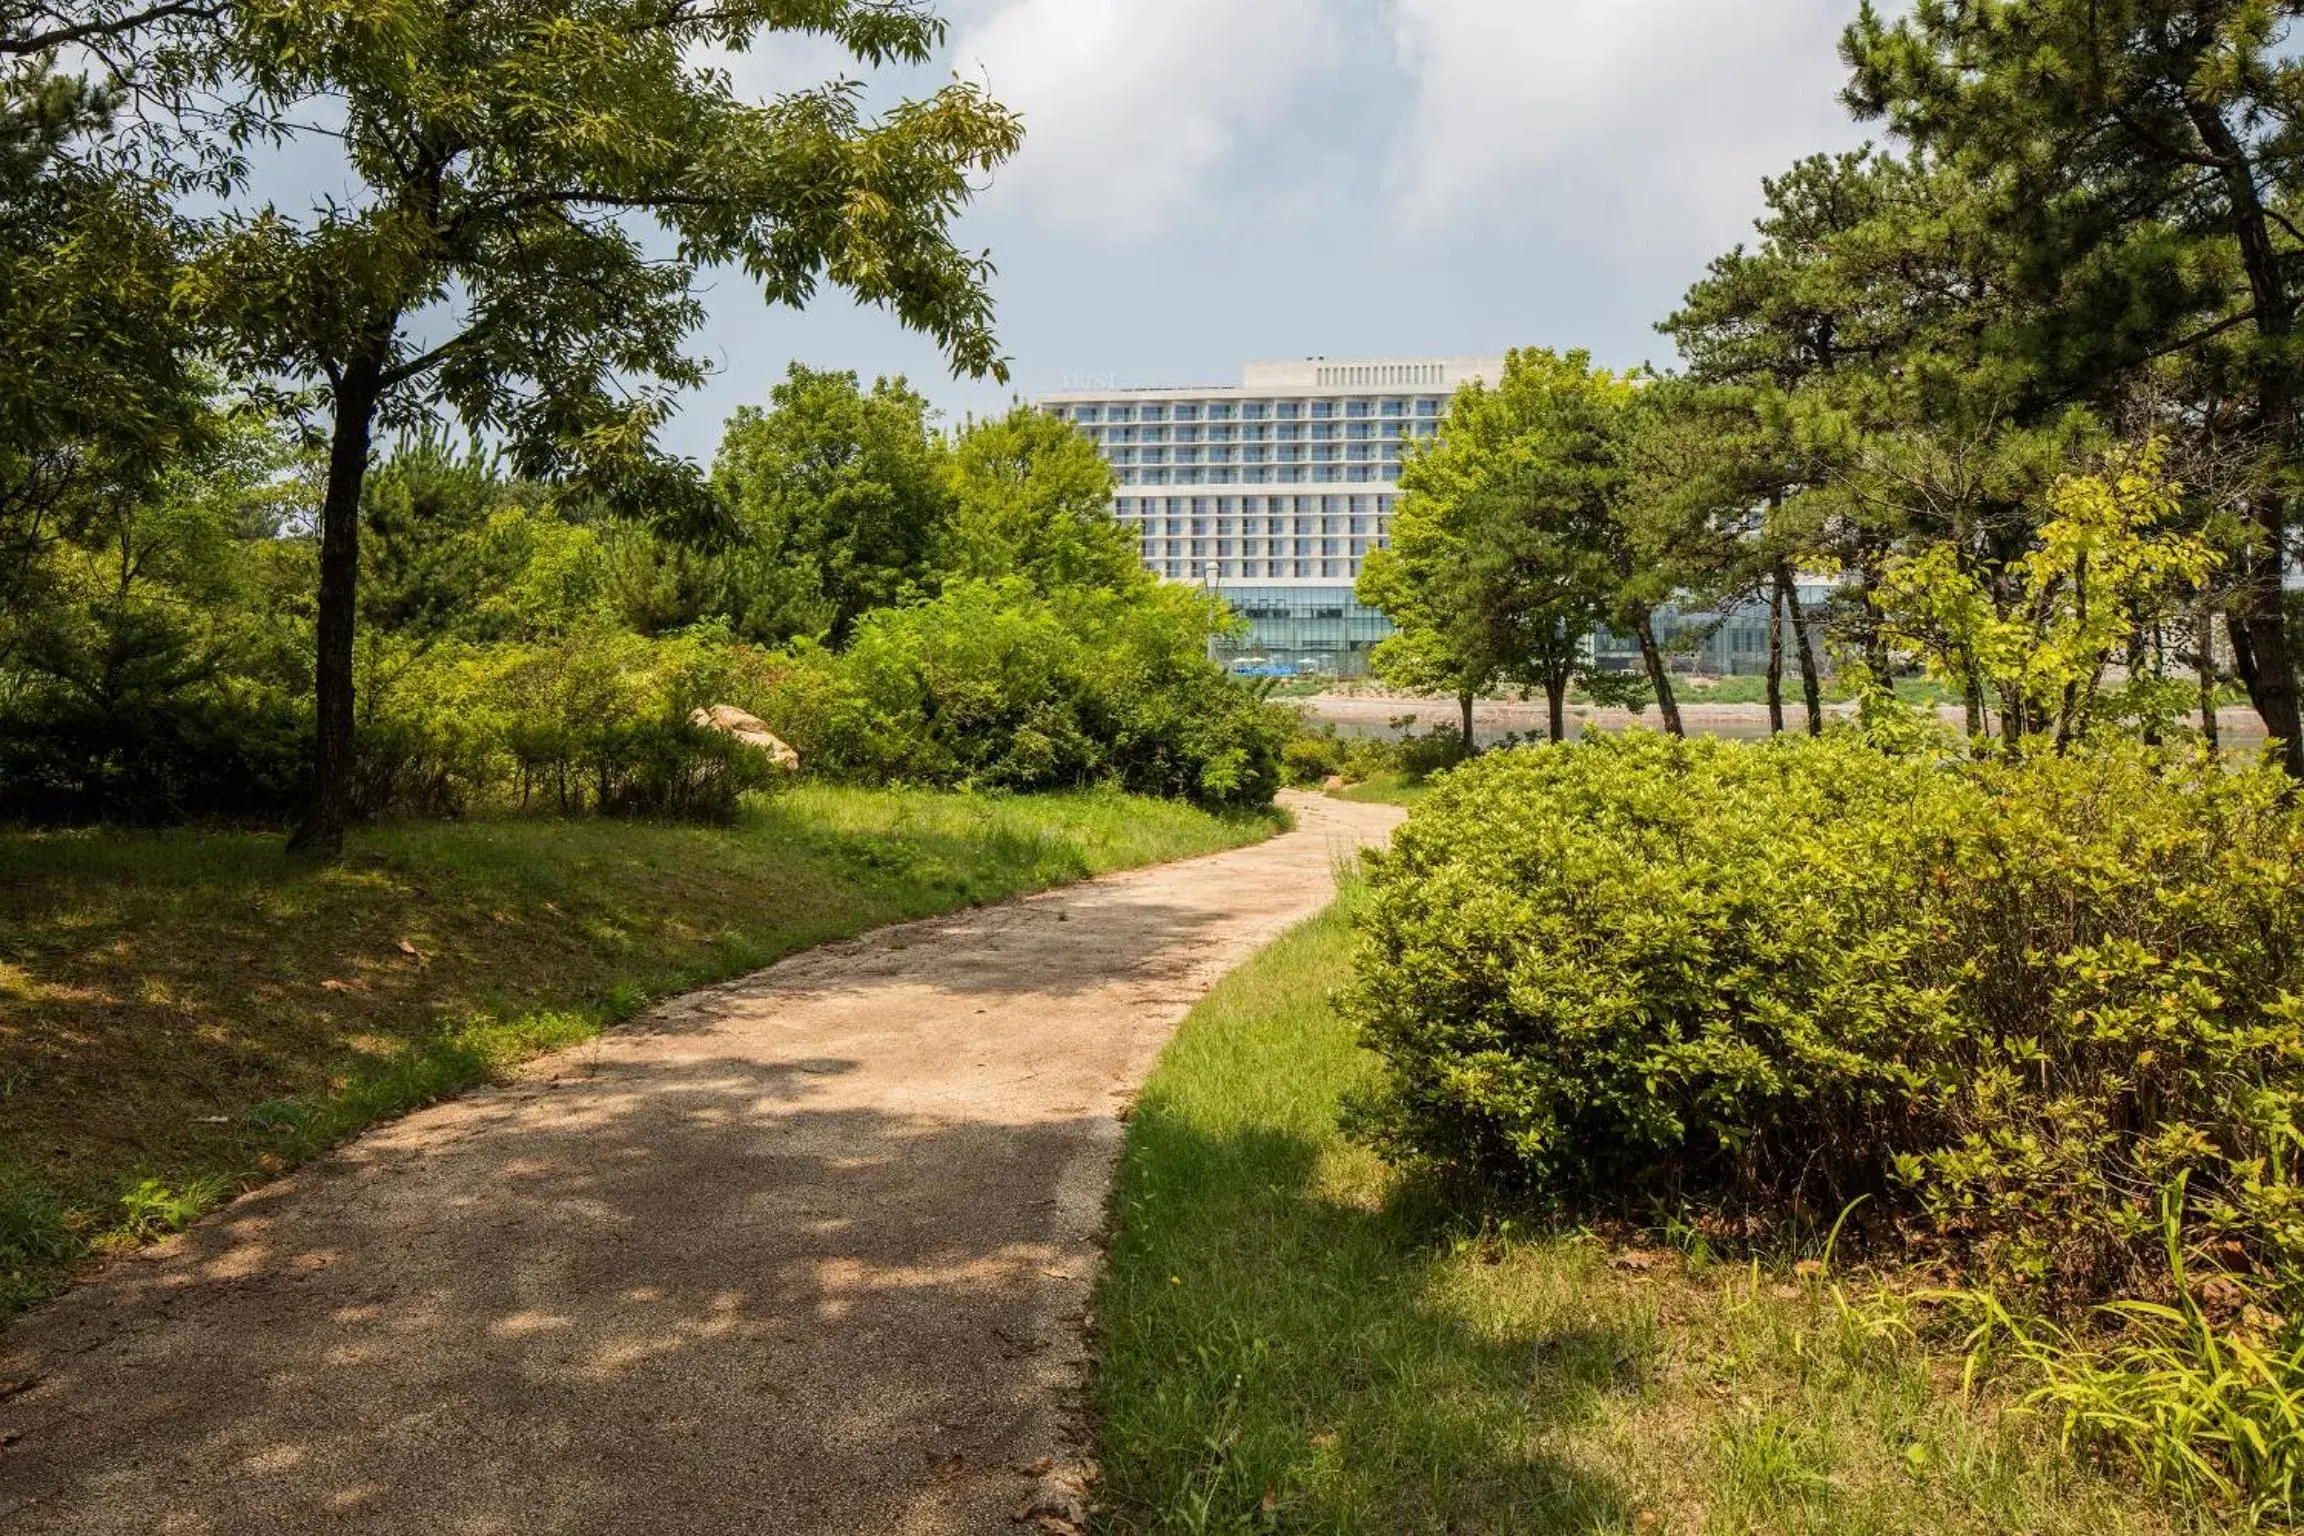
{"x":1313,"y":756}
{"x":2011,"y":1001}
{"x":596,"y":721}
{"x":995,"y":687}
{"x":234,"y":749}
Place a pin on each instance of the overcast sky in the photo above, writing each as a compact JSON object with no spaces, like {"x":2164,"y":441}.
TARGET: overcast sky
{"x":1207,"y":182}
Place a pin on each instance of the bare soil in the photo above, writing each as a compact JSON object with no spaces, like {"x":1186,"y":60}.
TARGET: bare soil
{"x":806,"y":1253}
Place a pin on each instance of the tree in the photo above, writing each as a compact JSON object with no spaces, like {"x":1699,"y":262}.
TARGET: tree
{"x":1505,"y":552}
{"x":2105,"y":565}
{"x":836,"y":497}
{"x":540,"y":184}
{"x":1436,"y":645}
{"x":1032,"y":497}
{"x":2142,"y":159}
{"x":97,"y":397}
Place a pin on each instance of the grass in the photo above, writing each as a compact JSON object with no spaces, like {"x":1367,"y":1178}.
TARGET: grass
{"x":1389,"y":788}
{"x":1292,"y":1339}
{"x":185,"y":1013}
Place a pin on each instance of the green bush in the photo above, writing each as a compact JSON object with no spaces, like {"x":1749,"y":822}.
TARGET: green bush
{"x":2011,"y":1002}
{"x":1312,"y":757}
{"x":597,"y":721}
{"x":993,"y":686}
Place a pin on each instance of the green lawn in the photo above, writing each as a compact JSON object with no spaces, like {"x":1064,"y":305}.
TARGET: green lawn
{"x":1292,"y":1340}
{"x":183,"y":1013}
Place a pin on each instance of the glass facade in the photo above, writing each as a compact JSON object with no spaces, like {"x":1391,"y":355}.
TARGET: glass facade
{"x":1274,"y":491}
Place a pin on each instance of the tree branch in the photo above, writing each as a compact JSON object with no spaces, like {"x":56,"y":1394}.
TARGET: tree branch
{"x":88,"y":31}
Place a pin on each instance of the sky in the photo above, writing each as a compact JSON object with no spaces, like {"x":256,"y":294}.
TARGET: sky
{"x":1209,"y":182}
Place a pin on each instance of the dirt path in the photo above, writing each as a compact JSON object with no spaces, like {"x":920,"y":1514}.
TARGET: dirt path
{"x":807,"y":1253}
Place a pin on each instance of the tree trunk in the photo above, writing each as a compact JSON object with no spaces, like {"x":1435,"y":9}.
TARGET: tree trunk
{"x":1556,"y":703}
{"x":1652,"y":657}
{"x":1804,"y":645}
{"x":2270,"y":670}
{"x":2140,"y":666}
{"x":1776,"y":658}
{"x":1471,"y":745}
{"x":2207,"y":665}
{"x":321,"y":833}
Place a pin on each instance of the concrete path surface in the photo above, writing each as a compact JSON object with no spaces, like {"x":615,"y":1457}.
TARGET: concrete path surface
{"x":806,"y":1253}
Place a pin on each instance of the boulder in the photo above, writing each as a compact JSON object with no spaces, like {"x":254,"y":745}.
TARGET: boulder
{"x":750,"y":730}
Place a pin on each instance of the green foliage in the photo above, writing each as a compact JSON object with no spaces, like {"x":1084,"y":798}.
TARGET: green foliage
{"x":1294,"y":1336}
{"x":992,"y":686}
{"x":1315,"y":754}
{"x":98,"y":394}
{"x":2008,"y":1000}
{"x":2132,"y":169}
{"x":596,"y":720}
{"x":837,"y":497}
{"x":152,"y":670}
{"x":1503,"y":549}
{"x":2101,"y":569}
{"x":1032,"y":498}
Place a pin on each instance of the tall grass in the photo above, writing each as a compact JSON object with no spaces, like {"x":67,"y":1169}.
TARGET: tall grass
{"x":2210,"y":1412}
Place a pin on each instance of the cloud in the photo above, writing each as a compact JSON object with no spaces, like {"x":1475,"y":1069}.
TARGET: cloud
{"x":1133,"y":108}
{"x":1652,"y":114}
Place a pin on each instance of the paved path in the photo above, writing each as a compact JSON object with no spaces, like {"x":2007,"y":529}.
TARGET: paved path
{"x":807,"y":1253}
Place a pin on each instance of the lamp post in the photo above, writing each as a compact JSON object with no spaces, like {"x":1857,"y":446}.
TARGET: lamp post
{"x":1209,"y":572}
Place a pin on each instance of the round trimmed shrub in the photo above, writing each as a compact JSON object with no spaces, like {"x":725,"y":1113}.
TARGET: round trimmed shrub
{"x":2013,"y":1003}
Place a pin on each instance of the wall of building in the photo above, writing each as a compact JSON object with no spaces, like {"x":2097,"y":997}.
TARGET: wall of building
{"x":1273,"y":491}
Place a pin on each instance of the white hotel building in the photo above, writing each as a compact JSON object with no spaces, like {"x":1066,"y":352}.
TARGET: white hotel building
{"x":1272,"y":491}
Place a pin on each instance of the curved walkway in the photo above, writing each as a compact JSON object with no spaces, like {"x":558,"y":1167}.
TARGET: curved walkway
{"x":806,"y":1253}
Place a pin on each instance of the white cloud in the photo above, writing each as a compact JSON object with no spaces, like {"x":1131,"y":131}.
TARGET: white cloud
{"x":1131,"y":107}
{"x":1652,"y":113}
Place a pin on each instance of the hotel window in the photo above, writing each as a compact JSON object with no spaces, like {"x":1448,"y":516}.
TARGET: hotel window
{"x":1428,"y":407}
{"x":1152,"y":413}
{"x":1254,"y":410}
{"x":1359,"y":407}
{"x":1322,"y":410}
{"x":1395,"y":408}
{"x":1219,"y":413}
{"x":1187,"y":413}
{"x":1121,"y":413}
{"x":1087,"y":413}
{"x":1286,"y":410}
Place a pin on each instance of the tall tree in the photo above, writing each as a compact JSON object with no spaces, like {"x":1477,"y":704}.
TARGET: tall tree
{"x":97,"y":395}
{"x":837,"y":496}
{"x":2142,"y":159}
{"x":539,"y":185}
{"x":1506,"y":552}
{"x":1032,"y":497}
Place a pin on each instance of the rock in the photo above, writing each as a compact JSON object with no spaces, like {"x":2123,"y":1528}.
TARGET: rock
{"x":1335,"y":781}
{"x":750,"y":730}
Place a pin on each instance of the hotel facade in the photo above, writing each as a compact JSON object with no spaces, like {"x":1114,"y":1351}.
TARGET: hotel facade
{"x":1271,"y":492}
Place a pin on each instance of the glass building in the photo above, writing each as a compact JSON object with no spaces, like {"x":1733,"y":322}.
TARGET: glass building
{"x":1272,"y":491}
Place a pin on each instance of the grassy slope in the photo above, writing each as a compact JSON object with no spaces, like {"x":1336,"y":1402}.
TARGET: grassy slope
{"x":181,"y":1013}
{"x":1292,"y":1341}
